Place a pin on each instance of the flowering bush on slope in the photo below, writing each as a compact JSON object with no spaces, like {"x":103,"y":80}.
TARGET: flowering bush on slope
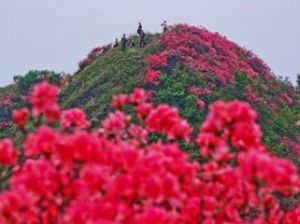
{"x":209,"y":53}
{"x":92,"y":55}
{"x":119,"y":174}
{"x":228,"y":72}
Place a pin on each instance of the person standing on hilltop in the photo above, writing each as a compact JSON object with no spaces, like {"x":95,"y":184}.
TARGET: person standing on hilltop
{"x":142,"y":39}
{"x":139,"y":29}
{"x":164,"y":26}
{"x":116,"y":44}
{"x":123,"y":42}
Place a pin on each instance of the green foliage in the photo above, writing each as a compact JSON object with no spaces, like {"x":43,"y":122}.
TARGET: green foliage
{"x":173,"y":90}
{"x":237,"y":89}
{"x":272,"y":139}
{"x":284,"y":122}
{"x":241,"y":80}
{"x":6,"y":132}
{"x":193,"y":151}
{"x":275,"y":126}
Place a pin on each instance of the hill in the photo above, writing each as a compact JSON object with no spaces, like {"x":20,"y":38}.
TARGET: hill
{"x":187,"y":67}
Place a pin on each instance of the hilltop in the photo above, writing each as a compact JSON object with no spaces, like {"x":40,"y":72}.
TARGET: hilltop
{"x":187,"y":67}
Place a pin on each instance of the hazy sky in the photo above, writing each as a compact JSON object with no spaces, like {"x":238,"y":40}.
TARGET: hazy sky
{"x":56,"y":34}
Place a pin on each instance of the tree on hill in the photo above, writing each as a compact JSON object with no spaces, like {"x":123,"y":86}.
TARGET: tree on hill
{"x":25,"y":82}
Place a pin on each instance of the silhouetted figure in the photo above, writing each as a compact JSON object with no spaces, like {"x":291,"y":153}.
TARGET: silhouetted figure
{"x":164,"y":26}
{"x":130,"y":43}
{"x":116,"y":44}
{"x":123,"y":42}
{"x":133,"y":44}
{"x":142,"y":39}
{"x":139,"y":29}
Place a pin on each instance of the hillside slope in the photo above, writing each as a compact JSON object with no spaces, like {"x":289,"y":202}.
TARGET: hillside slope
{"x":188,"y":67}
{"x":109,"y":73}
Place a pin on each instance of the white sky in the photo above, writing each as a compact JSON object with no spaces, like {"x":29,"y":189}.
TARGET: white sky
{"x":56,"y":34}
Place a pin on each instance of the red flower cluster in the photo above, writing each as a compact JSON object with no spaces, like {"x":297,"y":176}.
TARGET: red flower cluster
{"x":152,"y":76}
{"x":166,"y":120}
{"x":156,"y":61}
{"x":118,"y":173}
{"x":115,"y":122}
{"x":252,"y":97}
{"x":74,"y":118}
{"x":237,"y":122}
{"x":200,"y":104}
{"x":21,"y":116}
{"x":8,"y":154}
{"x":43,"y":98}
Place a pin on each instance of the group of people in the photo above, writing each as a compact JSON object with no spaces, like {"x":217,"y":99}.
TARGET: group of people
{"x":125,"y":43}
{"x":129,"y":43}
